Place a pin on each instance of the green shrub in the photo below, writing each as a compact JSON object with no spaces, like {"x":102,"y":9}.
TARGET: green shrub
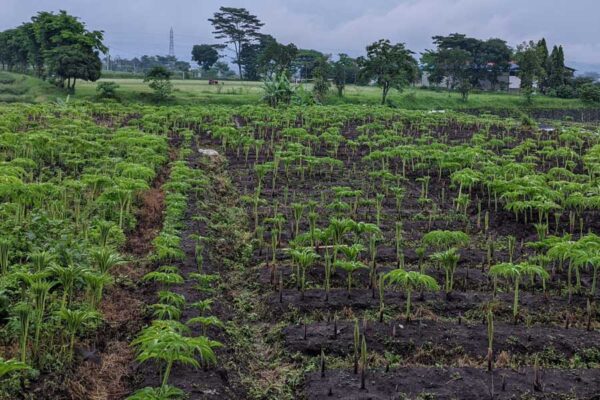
{"x":107,"y":90}
{"x":590,"y":93}
{"x":159,"y":80}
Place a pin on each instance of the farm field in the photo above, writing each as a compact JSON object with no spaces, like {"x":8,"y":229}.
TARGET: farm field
{"x":345,"y":252}
{"x":24,"y":88}
{"x":245,"y":92}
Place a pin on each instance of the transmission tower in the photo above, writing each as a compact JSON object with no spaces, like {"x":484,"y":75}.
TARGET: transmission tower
{"x":171,"y":44}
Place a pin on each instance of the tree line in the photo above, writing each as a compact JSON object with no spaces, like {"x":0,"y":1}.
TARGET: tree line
{"x":57,"y":47}
{"x":457,"y":62}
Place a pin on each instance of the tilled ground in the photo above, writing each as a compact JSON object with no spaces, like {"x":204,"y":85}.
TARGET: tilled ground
{"x":455,"y":383}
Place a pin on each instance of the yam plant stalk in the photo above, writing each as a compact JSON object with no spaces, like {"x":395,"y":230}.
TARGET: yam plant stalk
{"x":410,"y":281}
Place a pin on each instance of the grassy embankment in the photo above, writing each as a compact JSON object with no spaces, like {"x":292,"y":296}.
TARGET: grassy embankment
{"x":27,"y":89}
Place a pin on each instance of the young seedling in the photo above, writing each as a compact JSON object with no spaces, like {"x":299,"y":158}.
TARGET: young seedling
{"x":356,"y":345}
{"x":490,"y":334}
{"x":515,"y":272}
{"x":350,"y":267}
{"x":410,"y":281}
{"x":363,"y":362}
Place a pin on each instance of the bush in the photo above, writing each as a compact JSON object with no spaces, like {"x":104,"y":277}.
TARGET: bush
{"x":590,"y":93}
{"x":564,"y":92}
{"x":6,"y":79}
{"x":107,"y":90}
{"x":159,"y":79}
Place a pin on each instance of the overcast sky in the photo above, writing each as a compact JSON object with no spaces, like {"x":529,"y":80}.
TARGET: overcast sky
{"x":137,"y":27}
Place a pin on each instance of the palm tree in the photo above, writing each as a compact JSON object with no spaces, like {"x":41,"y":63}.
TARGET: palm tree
{"x":410,"y":281}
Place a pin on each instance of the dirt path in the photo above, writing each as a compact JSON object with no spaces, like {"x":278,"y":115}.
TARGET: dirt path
{"x":200,"y":219}
{"x":108,"y":367}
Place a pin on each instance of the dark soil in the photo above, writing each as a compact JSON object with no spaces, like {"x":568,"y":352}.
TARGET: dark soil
{"x":536,"y":307}
{"x":455,"y":383}
{"x":405,"y":338}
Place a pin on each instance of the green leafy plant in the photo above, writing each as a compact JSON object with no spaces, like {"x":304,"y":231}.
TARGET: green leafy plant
{"x":410,"y":281}
{"x":165,"y":341}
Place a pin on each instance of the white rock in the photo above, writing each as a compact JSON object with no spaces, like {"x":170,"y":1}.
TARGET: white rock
{"x":208,"y":152}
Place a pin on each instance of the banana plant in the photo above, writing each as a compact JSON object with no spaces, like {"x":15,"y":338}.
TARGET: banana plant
{"x":410,"y":281}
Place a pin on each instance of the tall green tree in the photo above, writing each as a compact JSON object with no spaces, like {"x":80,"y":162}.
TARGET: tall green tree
{"x":321,"y":83}
{"x":206,"y":55}
{"x":276,"y":58}
{"x":389,"y":65}
{"x":69,"y":50}
{"x":305,"y":62}
{"x":345,"y":71}
{"x":543,"y":57}
{"x":530,"y":67}
{"x":466,"y":62}
{"x":238,"y":27}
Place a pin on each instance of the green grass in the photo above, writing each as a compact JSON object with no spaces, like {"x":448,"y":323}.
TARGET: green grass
{"x":24,"y":88}
{"x":238,"y":93}
{"x":134,"y":90}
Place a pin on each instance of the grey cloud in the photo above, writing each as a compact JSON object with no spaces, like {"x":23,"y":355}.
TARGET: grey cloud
{"x":135,"y":27}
